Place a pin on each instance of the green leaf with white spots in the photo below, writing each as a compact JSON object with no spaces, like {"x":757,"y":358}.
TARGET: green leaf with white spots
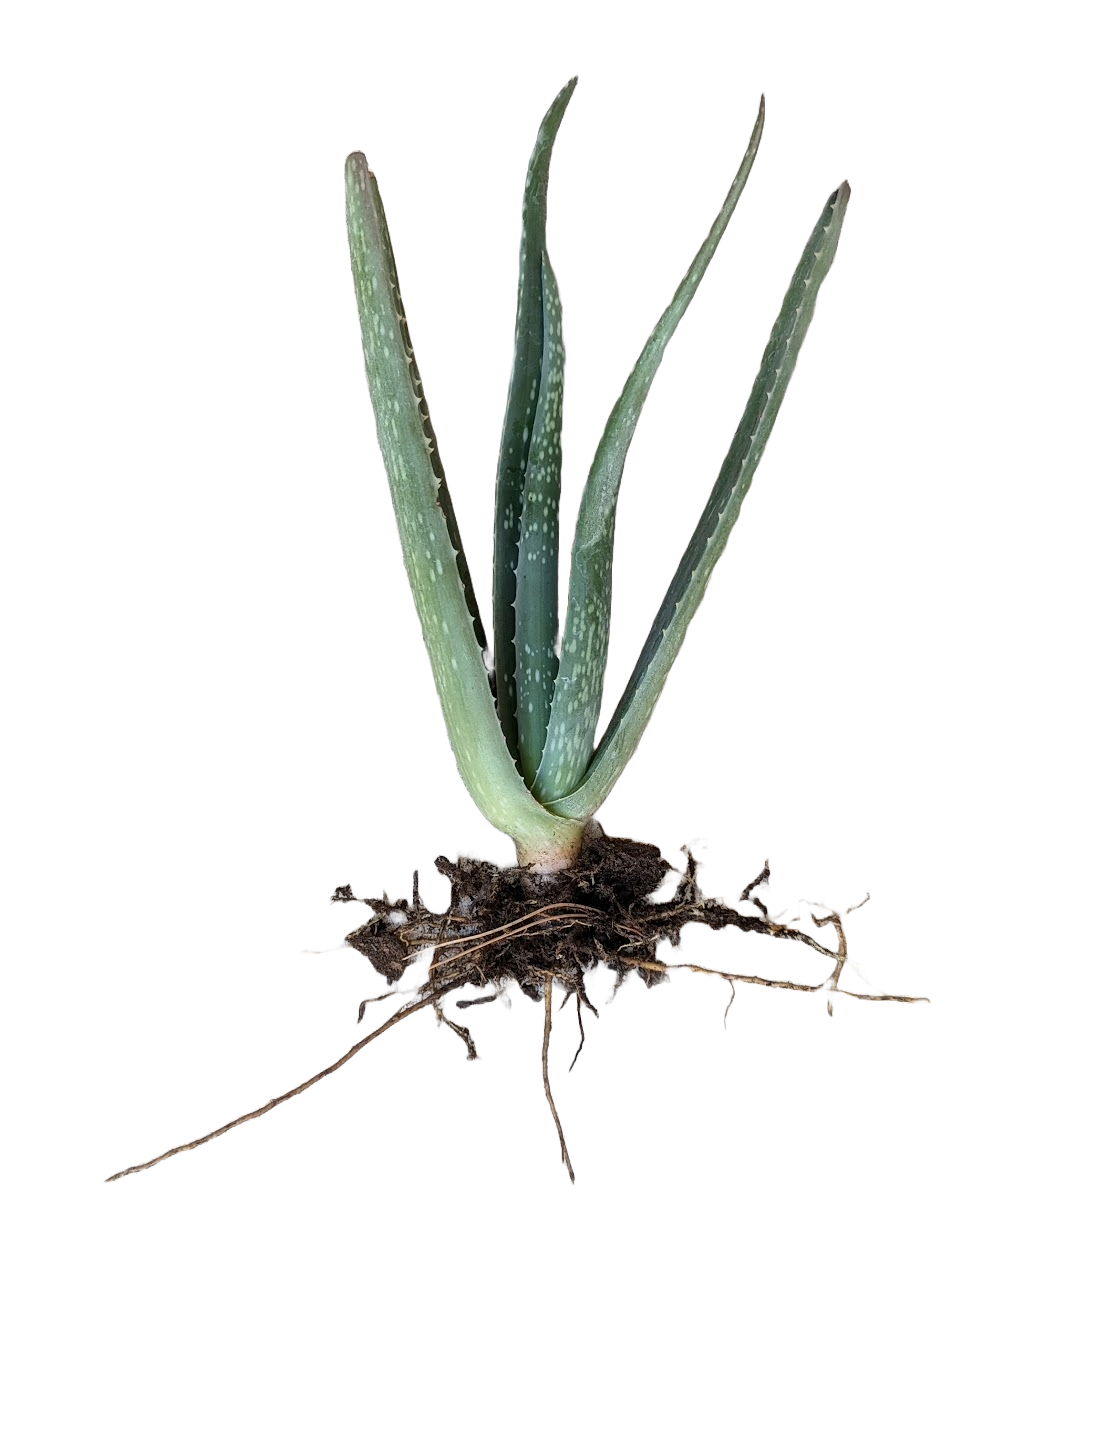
{"x":579,"y":689}
{"x":529,"y":476}
{"x":537,"y":570}
{"x":718,"y":517}
{"x":430,"y":542}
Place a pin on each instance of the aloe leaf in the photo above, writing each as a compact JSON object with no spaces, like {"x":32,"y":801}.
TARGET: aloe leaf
{"x":579,"y":689}
{"x":537,"y":570}
{"x":427,"y":530}
{"x":529,"y":476}
{"x":720,"y":514}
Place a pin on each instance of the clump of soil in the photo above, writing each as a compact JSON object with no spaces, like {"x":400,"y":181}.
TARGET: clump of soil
{"x":510,"y":926}
{"x":507,"y":929}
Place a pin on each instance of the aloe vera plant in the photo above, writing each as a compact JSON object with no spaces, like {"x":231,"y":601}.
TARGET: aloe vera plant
{"x":524,"y":733}
{"x":524,"y":736}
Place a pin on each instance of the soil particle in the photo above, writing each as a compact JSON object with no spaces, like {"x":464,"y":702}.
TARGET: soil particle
{"x":509,"y":925}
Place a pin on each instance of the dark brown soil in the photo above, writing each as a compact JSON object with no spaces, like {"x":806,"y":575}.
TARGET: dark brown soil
{"x":509,"y":926}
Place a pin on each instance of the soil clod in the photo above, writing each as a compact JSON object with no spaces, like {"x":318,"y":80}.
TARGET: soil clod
{"x":510,"y":926}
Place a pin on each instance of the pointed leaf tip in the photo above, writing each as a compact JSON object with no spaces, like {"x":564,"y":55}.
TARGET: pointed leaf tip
{"x":576,"y":704}
{"x":720,"y":514}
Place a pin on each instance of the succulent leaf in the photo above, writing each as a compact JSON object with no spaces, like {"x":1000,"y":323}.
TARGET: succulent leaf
{"x":529,"y":475}
{"x":537,"y":571}
{"x":579,"y":689}
{"x":722,"y":509}
{"x":427,"y":530}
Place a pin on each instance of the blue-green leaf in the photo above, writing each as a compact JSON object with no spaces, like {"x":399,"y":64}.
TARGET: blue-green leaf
{"x":537,"y":571}
{"x":430,"y":541}
{"x":529,"y":476}
{"x":579,"y":689}
{"x":718,"y":517}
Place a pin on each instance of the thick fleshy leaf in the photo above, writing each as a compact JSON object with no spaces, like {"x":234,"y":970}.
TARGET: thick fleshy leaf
{"x":430,"y":541}
{"x":579,"y":689}
{"x":529,"y":476}
{"x":537,"y":571}
{"x":718,"y":517}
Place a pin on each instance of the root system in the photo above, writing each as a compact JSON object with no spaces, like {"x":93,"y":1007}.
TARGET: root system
{"x":510,"y":927}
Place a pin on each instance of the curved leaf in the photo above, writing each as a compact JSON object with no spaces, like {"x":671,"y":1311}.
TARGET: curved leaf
{"x":579,"y":689}
{"x":529,"y":478}
{"x":426,"y":524}
{"x":718,"y":517}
